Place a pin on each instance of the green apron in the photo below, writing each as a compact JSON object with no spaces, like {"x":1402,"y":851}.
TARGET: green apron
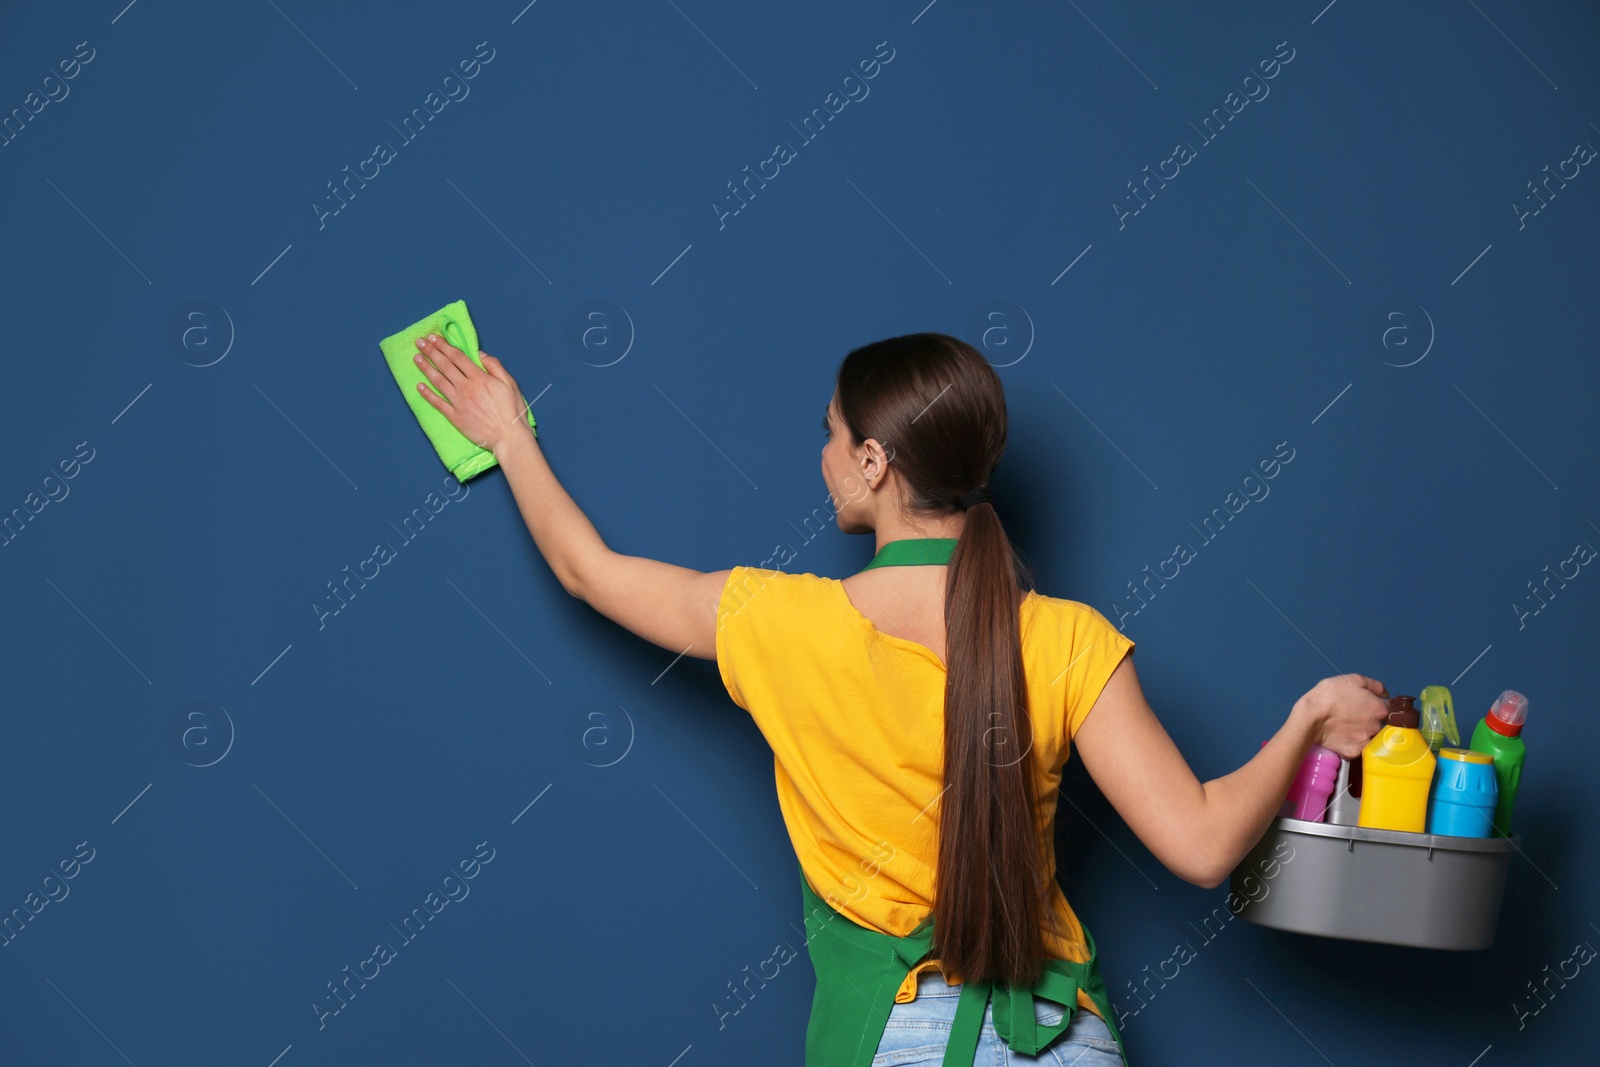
{"x":860,"y":970}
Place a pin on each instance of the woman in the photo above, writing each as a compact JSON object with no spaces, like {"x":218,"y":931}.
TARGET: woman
{"x":931,"y":698}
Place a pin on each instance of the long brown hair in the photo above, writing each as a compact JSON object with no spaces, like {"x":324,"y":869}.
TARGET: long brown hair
{"x":938,"y":408}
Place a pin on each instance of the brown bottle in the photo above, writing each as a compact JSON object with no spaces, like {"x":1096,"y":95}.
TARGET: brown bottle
{"x":1403,"y":712}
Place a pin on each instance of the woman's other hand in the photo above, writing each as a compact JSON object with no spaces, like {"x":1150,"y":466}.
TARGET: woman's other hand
{"x":484,"y":403}
{"x":1347,"y":711}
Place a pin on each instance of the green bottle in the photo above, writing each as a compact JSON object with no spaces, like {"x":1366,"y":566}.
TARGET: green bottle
{"x":1499,"y":735}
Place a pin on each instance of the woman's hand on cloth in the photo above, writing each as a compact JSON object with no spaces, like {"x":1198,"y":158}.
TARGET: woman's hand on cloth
{"x":484,"y":403}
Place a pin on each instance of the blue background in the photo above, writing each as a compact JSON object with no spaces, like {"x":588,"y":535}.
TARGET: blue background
{"x":361,"y":760}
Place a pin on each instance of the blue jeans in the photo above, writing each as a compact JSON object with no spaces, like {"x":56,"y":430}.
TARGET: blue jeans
{"x":916,"y":1033}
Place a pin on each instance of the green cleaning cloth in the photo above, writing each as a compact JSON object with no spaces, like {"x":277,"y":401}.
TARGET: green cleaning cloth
{"x":452,"y":323}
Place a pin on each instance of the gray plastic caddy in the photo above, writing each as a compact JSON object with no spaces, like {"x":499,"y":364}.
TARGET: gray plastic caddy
{"x":1391,"y":886}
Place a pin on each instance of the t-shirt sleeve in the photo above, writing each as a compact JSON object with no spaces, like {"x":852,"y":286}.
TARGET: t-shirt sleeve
{"x":744,"y":639}
{"x":1095,"y":647}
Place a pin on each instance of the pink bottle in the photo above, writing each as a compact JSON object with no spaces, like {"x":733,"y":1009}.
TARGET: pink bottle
{"x":1312,"y":788}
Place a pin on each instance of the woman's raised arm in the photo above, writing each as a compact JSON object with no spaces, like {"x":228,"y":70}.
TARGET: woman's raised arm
{"x":671,"y":606}
{"x":1200,"y":831}
{"x":674,"y":607}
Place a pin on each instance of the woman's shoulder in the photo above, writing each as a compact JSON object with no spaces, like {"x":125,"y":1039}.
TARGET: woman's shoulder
{"x":1057,"y":604}
{"x":1065,"y":613}
{"x":754,"y":575}
{"x":744,"y":583}
{"x":777,"y":572}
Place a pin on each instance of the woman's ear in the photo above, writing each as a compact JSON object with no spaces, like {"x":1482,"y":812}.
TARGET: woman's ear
{"x":871,"y":473}
{"x":874,"y":463}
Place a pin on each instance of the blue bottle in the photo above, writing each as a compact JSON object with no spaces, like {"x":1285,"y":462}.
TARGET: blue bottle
{"x":1465,"y":794}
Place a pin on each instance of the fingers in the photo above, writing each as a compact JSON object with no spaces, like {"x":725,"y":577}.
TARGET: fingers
{"x":496,"y":368}
{"x":435,"y":376}
{"x":433,"y":398}
{"x":434,"y":365}
{"x":1370,"y":684}
{"x":1353,"y":711}
{"x":448,"y":359}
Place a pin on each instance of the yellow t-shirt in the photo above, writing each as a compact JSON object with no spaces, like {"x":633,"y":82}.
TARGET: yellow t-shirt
{"x":855,"y":718}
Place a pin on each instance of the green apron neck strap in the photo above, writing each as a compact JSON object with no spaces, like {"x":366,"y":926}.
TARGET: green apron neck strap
{"x":914,"y":552}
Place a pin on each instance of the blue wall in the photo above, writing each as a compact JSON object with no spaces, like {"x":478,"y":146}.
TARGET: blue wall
{"x":1352,"y":270}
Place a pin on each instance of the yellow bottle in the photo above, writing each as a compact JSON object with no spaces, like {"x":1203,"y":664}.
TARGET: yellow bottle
{"x":1397,"y":768}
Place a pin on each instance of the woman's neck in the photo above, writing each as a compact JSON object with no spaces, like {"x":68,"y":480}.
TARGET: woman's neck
{"x":901,"y":531}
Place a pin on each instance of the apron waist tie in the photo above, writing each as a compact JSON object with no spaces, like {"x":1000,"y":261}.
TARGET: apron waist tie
{"x":1015,"y":1017}
{"x":858,"y":971}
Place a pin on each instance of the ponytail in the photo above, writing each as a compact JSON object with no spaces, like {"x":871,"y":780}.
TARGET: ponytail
{"x":991,"y":875}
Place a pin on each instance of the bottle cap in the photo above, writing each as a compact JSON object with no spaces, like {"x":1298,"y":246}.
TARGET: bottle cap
{"x":1403,"y":712}
{"x":1465,"y":755}
{"x":1508,"y":713}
